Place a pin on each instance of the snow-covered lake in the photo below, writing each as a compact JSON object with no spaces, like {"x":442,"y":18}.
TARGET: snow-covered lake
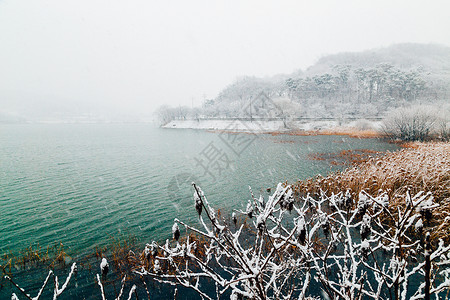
{"x":81,"y":183}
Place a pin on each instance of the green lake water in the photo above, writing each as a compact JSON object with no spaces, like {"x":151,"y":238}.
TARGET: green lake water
{"x":81,"y":184}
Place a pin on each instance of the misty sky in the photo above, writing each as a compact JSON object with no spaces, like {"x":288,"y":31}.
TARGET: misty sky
{"x":131,"y":56}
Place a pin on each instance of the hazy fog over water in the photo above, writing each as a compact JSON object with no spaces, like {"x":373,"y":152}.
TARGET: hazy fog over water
{"x":118,"y":60}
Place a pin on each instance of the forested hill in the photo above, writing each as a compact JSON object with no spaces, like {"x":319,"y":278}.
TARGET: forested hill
{"x":430,"y":57}
{"x":362,"y":84}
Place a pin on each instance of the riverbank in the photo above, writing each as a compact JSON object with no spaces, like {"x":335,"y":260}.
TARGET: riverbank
{"x":324,"y":126}
{"x":419,"y":167}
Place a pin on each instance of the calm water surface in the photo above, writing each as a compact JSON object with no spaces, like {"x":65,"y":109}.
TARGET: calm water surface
{"x":83,"y":184}
{"x":79,"y":184}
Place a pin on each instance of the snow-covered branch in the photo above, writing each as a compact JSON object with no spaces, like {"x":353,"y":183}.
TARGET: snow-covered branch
{"x":353,"y":250}
{"x":283,"y":247}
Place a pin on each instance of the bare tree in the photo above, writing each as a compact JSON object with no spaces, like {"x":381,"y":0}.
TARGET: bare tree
{"x":287,"y":108}
{"x":411,"y":123}
{"x":165,"y":114}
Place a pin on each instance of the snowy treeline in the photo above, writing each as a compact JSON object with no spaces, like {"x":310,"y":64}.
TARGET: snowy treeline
{"x":346,"y":85}
{"x":343,"y":91}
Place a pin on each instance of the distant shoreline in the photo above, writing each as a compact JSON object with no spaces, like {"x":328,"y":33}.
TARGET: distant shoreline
{"x":361,"y":128}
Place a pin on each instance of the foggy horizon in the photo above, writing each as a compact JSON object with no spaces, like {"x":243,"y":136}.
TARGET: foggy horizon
{"x":273,"y":149}
{"x":112,"y":59}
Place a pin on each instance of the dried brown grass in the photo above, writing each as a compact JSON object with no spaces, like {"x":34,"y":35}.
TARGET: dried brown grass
{"x":417,"y":167}
{"x":351,"y":132}
{"x":34,"y":255}
{"x":346,"y":157}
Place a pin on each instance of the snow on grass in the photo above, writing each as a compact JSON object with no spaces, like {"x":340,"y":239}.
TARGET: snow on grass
{"x":420,"y":167}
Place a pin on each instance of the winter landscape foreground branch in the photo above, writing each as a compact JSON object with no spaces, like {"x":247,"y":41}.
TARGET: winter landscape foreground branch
{"x":314,"y":247}
{"x":325,"y":247}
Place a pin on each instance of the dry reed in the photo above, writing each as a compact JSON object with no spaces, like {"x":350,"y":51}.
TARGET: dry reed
{"x":351,"y":132}
{"x":417,"y":167}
